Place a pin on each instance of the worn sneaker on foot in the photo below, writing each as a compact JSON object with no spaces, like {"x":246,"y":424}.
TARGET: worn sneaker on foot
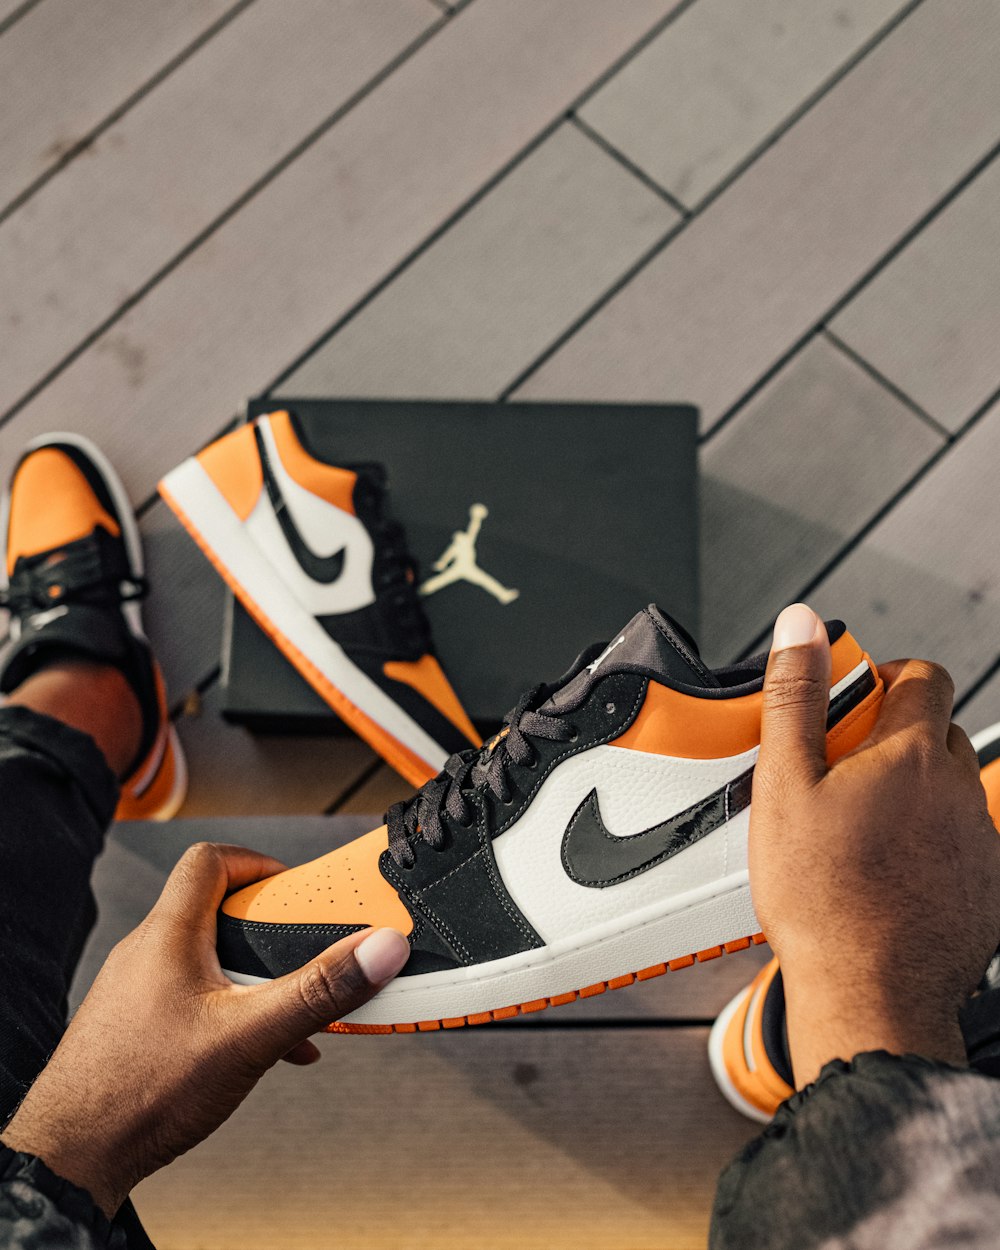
{"x":307,"y":549}
{"x":748,"y":1045}
{"x":72,"y":580}
{"x":600,"y":838}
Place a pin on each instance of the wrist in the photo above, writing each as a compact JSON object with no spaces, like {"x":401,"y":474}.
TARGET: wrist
{"x":68,"y":1153}
{"x":824,"y":1023}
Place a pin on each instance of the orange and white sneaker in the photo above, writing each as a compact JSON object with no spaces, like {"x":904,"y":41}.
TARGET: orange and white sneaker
{"x":307,"y":549}
{"x":72,"y":580}
{"x":748,"y":1048}
{"x":748,"y":1044}
{"x":600,"y":838}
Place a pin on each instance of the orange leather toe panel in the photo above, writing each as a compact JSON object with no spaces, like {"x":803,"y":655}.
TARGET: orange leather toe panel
{"x":344,"y":887}
{"x":51,"y":504}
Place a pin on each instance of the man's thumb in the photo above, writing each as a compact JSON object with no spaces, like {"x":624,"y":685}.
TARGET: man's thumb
{"x":796,"y":697}
{"x":335,"y":983}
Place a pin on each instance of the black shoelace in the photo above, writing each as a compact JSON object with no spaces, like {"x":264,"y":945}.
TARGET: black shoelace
{"x":420,"y":819}
{"x":87,"y":573}
{"x":395,"y":575}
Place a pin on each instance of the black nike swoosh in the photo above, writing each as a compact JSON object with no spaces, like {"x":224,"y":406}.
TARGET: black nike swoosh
{"x":325,"y":569}
{"x":593,"y":856}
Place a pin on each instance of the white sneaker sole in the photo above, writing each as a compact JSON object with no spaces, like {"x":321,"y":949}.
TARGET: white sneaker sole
{"x":693,"y":927}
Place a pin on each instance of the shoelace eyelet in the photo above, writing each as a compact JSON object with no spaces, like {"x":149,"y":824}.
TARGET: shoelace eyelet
{"x":574,"y":735}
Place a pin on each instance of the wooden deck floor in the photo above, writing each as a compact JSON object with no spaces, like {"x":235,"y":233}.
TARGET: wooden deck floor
{"x":784,"y":213}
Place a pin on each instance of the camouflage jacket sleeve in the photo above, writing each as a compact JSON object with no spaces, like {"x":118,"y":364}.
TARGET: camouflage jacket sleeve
{"x":41,"y":1211}
{"x":882,"y":1153}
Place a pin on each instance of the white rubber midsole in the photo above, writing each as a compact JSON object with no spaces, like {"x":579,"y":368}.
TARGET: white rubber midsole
{"x":220,"y":530}
{"x":691,"y":922}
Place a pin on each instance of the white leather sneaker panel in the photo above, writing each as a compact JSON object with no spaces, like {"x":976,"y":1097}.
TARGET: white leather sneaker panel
{"x":310,"y":513}
{"x":325,"y":529}
{"x":635,"y":790}
{"x":351,"y":590}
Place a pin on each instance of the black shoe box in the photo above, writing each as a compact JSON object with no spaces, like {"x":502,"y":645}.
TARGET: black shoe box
{"x":587,"y":511}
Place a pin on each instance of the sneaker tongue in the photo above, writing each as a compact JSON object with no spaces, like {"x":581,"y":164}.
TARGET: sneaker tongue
{"x":651,"y":643}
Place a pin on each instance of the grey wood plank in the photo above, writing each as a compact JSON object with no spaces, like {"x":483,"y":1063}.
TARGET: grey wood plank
{"x":930,"y":321}
{"x":68,"y":64}
{"x":787,"y":483}
{"x":94,"y":235}
{"x":339,"y":219}
{"x":925,"y":581}
{"x":377,"y":794}
{"x":983,"y":709}
{"x":9,"y":7}
{"x":716,"y":83}
{"x":499,"y":285}
{"x":530,"y":1140}
{"x":236,"y":773}
{"x":740,"y":284}
{"x":184,"y":611}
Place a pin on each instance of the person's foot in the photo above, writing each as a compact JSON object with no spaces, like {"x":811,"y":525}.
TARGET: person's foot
{"x":748,"y":1044}
{"x":599,"y":839}
{"x":72,"y":579}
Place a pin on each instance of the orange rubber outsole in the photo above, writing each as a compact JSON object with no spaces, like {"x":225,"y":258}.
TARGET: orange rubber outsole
{"x":558,"y":1000}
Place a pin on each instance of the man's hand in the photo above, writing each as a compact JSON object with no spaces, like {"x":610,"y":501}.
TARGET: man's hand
{"x":876,"y":881}
{"x":164,"y":1048}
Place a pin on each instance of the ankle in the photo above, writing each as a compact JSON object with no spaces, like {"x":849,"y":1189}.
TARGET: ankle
{"x":93,"y":697}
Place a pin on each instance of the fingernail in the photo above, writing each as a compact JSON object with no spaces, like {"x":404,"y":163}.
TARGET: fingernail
{"x":381,"y":955}
{"x":794,"y":627}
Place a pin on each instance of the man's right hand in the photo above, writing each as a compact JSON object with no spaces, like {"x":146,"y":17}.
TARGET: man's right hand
{"x":876,"y":881}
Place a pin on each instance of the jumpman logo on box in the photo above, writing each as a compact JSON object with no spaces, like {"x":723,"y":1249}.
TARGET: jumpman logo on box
{"x":458,"y":562}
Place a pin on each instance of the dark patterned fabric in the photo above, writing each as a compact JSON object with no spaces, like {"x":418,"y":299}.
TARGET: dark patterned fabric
{"x":41,"y":1211}
{"x":882,"y":1153}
